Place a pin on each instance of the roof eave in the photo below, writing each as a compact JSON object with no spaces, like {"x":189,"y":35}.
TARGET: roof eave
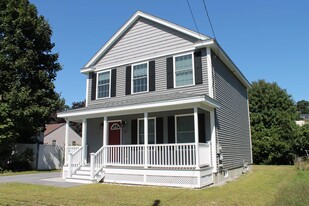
{"x":214,"y":45}
{"x":87,"y":68}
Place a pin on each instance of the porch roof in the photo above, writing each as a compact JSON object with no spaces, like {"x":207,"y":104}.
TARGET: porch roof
{"x":153,"y":103}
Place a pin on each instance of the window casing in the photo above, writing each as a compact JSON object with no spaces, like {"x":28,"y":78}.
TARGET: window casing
{"x":184,"y":126}
{"x":104,"y":84}
{"x":151,"y":131}
{"x":183,"y":70}
{"x":140,"y":78}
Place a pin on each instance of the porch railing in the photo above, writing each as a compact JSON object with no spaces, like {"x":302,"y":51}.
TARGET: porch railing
{"x":75,"y":161}
{"x":70,"y":149}
{"x":125,"y":155}
{"x":172,"y":155}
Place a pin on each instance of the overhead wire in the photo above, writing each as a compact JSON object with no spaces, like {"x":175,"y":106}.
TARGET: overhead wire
{"x":194,"y":19}
{"x":212,"y":29}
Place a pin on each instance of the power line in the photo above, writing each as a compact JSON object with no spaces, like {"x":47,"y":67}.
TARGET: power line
{"x":212,"y":29}
{"x":193,"y":19}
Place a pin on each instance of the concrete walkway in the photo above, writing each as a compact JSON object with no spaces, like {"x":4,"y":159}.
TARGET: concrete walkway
{"x":45,"y":178}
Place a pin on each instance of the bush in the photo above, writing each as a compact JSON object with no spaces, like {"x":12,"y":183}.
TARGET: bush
{"x":302,"y":163}
{"x":21,"y":162}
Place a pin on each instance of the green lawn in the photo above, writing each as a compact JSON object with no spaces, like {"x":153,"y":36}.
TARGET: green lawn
{"x":9,"y":173}
{"x":266,"y":185}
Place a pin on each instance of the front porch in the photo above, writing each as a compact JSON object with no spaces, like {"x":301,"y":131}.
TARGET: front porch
{"x":170,"y":146}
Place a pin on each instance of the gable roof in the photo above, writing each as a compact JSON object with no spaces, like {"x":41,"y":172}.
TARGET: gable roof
{"x":130,"y":22}
{"x":205,"y":41}
{"x":52,"y":127}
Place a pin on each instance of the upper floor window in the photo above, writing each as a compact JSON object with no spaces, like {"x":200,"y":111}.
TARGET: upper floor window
{"x":140,"y":78}
{"x":104,"y":84}
{"x":183,"y":70}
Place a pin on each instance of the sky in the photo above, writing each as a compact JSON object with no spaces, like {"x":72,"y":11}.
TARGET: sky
{"x":265,"y":39}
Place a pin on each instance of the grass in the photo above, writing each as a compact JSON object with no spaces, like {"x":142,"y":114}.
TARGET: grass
{"x":266,"y":185}
{"x":10,"y":173}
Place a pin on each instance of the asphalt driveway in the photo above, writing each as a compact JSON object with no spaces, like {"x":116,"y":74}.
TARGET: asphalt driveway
{"x":45,"y":178}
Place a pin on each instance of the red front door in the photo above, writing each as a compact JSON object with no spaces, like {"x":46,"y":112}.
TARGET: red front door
{"x":114,"y":133}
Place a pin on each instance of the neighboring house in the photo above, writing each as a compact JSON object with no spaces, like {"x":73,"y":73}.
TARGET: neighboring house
{"x":164,"y":106}
{"x":55,"y":135}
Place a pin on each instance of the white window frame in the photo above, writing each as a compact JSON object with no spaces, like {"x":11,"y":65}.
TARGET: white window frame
{"x":181,"y":115}
{"x":174,"y":69}
{"x":132,"y":84}
{"x":110,"y":84}
{"x":155,"y":129}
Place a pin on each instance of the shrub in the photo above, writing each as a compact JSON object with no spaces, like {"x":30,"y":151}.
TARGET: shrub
{"x":302,"y":163}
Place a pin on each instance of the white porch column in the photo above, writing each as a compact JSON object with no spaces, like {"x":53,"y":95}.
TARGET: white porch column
{"x":196,"y":137}
{"x":105,"y":130}
{"x":146,"y":138}
{"x":213,"y":141}
{"x":84,"y":141}
{"x":66,"y":142}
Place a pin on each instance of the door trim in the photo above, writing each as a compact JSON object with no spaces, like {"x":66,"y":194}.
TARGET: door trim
{"x":114,"y":121}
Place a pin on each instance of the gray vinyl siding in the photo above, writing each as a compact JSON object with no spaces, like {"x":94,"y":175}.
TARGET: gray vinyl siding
{"x":142,"y":40}
{"x":160,"y":83}
{"x":233,"y":128}
{"x":95,"y":129}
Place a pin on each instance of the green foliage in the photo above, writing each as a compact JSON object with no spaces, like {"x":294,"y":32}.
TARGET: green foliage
{"x":301,"y":142}
{"x":273,"y":127}
{"x":27,"y":71}
{"x":303,"y":107}
{"x":21,"y":162}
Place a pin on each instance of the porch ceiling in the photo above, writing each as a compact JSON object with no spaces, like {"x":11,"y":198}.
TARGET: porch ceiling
{"x":157,"y":103}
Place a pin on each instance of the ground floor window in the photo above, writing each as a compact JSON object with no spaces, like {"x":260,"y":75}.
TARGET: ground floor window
{"x":151,"y":131}
{"x":184,"y":128}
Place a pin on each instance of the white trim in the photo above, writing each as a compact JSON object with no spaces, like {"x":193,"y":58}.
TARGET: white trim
{"x":132,"y":69}
{"x":248,"y":106}
{"x":174,"y":69}
{"x":66,"y":141}
{"x":110,"y":84}
{"x":101,"y":68}
{"x":213,"y":44}
{"x":87,"y":92}
{"x":120,"y":138}
{"x":209,"y":73}
{"x":84,"y":140}
{"x":131,"y":21}
{"x":213,"y":141}
{"x":175,"y":122}
{"x":137,"y":108}
{"x":196,"y":138}
{"x":155,"y":126}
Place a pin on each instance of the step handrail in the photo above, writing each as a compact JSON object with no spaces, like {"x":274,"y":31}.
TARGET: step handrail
{"x":97,"y":162}
{"x":75,"y":161}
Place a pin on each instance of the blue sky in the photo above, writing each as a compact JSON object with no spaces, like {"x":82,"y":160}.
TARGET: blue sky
{"x":265,"y":39}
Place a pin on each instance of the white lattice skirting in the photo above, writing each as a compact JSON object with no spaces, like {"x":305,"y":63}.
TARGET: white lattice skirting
{"x":172,"y":178}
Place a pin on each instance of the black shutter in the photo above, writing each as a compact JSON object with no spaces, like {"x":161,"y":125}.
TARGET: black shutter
{"x":169,"y":73}
{"x":171,"y":129}
{"x":93,"y":77}
{"x":128,"y":80}
{"x":198,"y":67}
{"x":133,"y":131}
{"x":159,"y":130}
{"x":113,"y":82}
{"x":152,"y":76}
{"x":201,"y":127}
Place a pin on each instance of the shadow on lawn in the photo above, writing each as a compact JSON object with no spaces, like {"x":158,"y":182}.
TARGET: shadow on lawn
{"x":156,"y":203}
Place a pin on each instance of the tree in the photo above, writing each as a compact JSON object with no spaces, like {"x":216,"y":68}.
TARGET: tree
{"x":273,"y":115}
{"x":303,"y":107}
{"x":27,"y":71}
{"x":77,"y":127}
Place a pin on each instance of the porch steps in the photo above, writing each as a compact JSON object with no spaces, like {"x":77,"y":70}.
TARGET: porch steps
{"x":82,"y":175}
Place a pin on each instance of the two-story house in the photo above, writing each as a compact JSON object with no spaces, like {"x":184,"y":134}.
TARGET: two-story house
{"x":164,"y":106}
